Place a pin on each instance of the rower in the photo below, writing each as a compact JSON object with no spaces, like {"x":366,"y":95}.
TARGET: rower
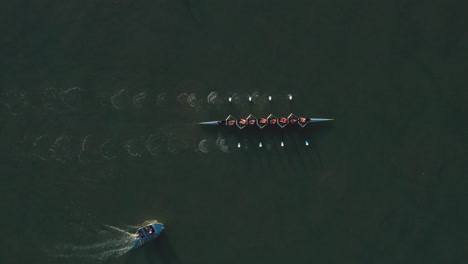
{"x":283,"y":121}
{"x":293,"y":120}
{"x":231,"y":122}
{"x":273,"y":121}
{"x":263,"y":121}
{"x":242,"y":121}
{"x":252,"y":121}
{"x":303,"y":121}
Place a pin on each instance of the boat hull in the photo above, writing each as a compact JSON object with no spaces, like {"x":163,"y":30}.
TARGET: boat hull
{"x":319,"y":119}
{"x":146,"y":238}
{"x":311,"y":120}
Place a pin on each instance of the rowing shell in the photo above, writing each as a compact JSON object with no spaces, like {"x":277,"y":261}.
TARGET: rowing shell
{"x":302,"y":124}
{"x":263,"y":122}
{"x":310,"y":121}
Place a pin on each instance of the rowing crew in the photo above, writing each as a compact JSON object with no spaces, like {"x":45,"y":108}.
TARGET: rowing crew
{"x":262,"y":122}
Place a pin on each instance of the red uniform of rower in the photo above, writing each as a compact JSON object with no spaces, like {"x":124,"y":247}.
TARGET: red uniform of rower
{"x":283,"y":120}
{"x":252,"y":121}
{"x":231,"y":122}
{"x":273,"y":121}
{"x":263,"y":121}
{"x":302,"y":119}
{"x":242,"y":121}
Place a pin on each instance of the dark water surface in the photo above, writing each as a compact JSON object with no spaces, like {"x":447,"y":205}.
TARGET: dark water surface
{"x":99,"y":102}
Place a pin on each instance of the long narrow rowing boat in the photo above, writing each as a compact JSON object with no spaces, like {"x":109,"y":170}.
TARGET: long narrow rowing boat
{"x":271,"y":120}
{"x":263,"y":122}
{"x":236,"y":122}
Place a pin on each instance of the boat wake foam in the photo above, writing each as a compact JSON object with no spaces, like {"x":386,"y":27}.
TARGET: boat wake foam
{"x":162,"y":97}
{"x":38,"y":144}
{"x":139,"y":99}
{"x":222,"y":144}
{"x":107,"y":150}
{"x":111,"y":242}
{"x":193,"y":101}
{"x":214,"y":98}
{"x":60,"y":151}
{"x":155,"y":143}
{"x":105,"y":242}
{"x":116,"y":99}
{"x":88,"y":154}
{"x":134,"y":145}
{"x":203,"y":146}
{"x":182,"y":98}
{"x":73,"y":97}
{"x":14,"y":100}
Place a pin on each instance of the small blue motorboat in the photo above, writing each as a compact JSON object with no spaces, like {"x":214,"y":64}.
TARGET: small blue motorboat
{"x":147,"y":233}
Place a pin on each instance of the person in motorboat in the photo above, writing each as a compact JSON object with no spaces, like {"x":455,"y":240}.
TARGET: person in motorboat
{"x":147,"y":233}
{"x":149,"y":230}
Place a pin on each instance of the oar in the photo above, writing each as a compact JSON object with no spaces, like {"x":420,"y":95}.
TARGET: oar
{"x":282,"y":131}
{"x":260,"y":135}
{"x":269,"y":99}
{"x":290,"y":102}
{"x":230,"y":103}
{"x":290,"y":108}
